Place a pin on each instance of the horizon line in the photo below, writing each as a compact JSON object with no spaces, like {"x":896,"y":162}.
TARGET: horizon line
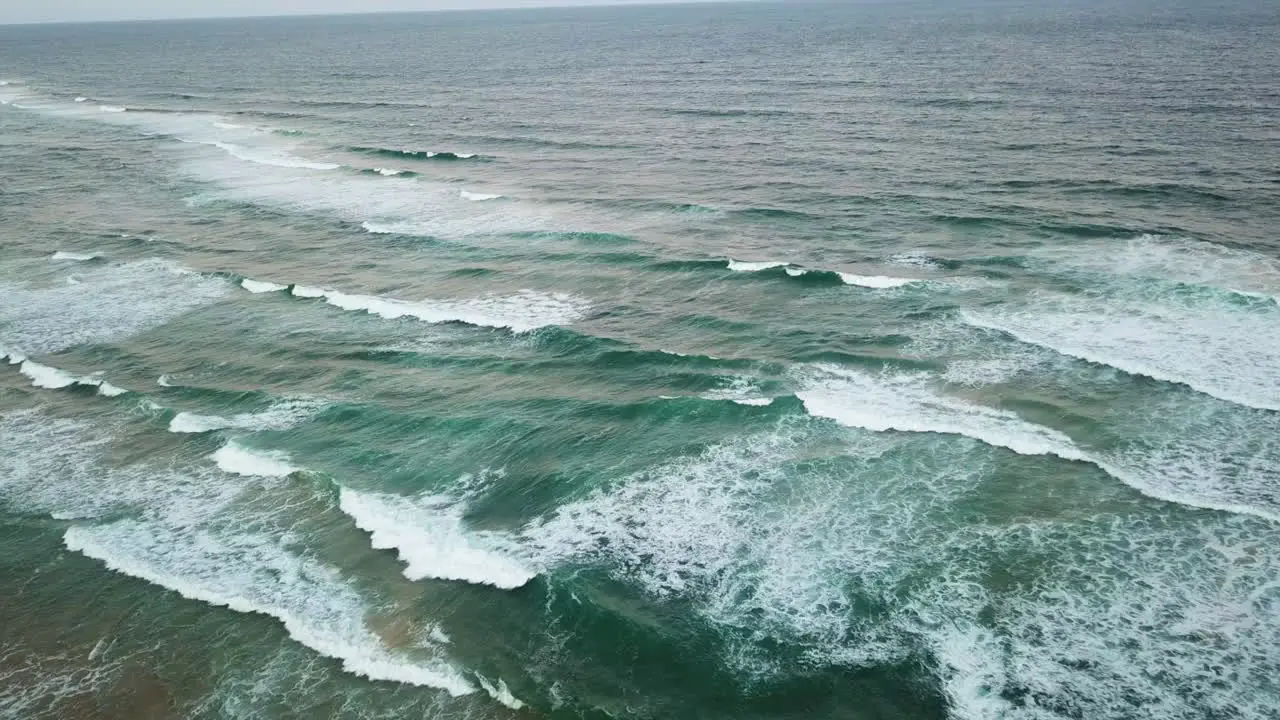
{"x":560,"y":5}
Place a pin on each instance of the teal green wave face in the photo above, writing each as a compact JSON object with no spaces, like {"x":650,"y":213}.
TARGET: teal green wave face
{"x":733,"y":361}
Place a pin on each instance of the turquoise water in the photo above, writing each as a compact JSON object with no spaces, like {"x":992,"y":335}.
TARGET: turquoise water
{"x":740,"y":361}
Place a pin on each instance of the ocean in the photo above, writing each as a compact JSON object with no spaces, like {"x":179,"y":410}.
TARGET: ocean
{"x":741,"y":361}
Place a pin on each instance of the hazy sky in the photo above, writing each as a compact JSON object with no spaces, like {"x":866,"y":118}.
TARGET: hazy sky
{"x":25,"y":11}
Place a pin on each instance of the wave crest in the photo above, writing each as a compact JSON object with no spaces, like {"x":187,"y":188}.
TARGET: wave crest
{"x":431,"y":540}
{"x":521,"y":312}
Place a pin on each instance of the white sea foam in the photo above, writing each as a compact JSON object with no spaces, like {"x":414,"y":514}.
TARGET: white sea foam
{"x":477,"y":197}
{"x":767,"y":550}
{"x":1105,"y":613}
{"x":878,"y":282}
{"x":188,"y":533}
{"x":914,"y":259}
{"x":1130,"y":618}
{"x":667,"y":528}
{"x":1208,"y":455}
{"x":1181,"y":260}
{"x":79,"y":257}
{"x":868,"y":281}
{"x":976,"y":357}
{"x":261,"y":167}
{"x":273,"y":157}
{"x":32,"y":681}
{"x":82,"y":99}
{"x":280,"y":416}
{"x":164,"y":381}
{"x":741,"y":390}
{"x":44,"y":376}
{"x":522,"y":312}
{"x":280,"y":177}
{"x":251,"y":573}
{"x":110,"y":302}
{"x":1229,"y":353}
{"x":971,"y":683}
{"x":260,"y":286}
{"x":112,"y":108}
{"x":239,"y":460}
{"x":431,"y":539}
{"x":387,"y":172}
{"x":106,"y":389}
{"x":906,"y":402}
{"x":500,"y":692}
{"x":55,"y":466}
{"x":1188,"y":462}
{"x":749,"y":266}
{"x":383,"y":228}
{"x":305,"y":291}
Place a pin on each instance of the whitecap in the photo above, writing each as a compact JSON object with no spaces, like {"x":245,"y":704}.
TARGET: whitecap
{"x":1228,"y":353}
{"x":82,"y":99}
{"x":54,"y":466}
{"x":521,"y":312}
{"x":1190,"y":465}
{"x":266,"y":156}
{"x":78,"y":257}
{"x":251,"y":573}
{"x":500,"y":692}
{"x":754,"y":266}
{"x":741,"y":390}
{"x":106,"y":389}
{"x":112,"y":108}
{"x":305,"y":291}
{"x":1125,"y":613}
{"x":477,"y":197}
{"x":1181,"y":260}
{"x":766,"y":551}
{"x":906,"y":402}
{"x":280,"y":416}
{"x":387,"y":172}
{"x":878,"y":282}
{"x":431,"y":539}
{"x":192,"y":533}
{"x":44,"y":376}
{"x":383,"y":228}
{"x":868,"y":562}
{"x":914,"y":259}
{"x":259,"y":286}
{"x":110,"y":302}
{"x":239,"y":460}
{"x":164,"y":381}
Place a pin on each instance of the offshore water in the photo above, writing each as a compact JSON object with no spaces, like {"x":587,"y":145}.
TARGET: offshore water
{"x":724,"y":361}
